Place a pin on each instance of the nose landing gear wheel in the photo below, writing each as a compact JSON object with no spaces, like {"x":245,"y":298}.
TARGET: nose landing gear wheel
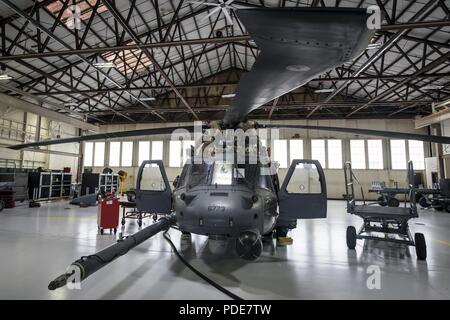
{"x":381,"y":201}
{"x":421,"y":246}
{"x":393,"y":202}
{"x":423,"y":202}
{"x":447,"y":207}
{"x":351,"y":237}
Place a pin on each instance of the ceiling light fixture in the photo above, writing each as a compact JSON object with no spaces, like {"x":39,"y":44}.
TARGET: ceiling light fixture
{"x":5,"y":77}
{"x":147,"y":99}
{"x":323,"y":90}
{"x":229,"y":95}
{"x":374,"y":46}
{"x":104,"y":65}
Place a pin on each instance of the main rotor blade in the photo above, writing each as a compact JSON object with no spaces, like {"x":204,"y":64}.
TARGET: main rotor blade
{"x":103,"y":136}
{"x":367,"y":132}
{"x":297,"y":44}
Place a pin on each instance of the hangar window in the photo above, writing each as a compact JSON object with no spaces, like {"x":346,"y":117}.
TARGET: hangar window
{"x":127,"y":154}
{"x":398,"y":154}
{"x":88,"y":154}
{"x":318,"y":151}
{"x":357,"y":154}
{"x":175,"y":153}
{"x":335,"y":154}
{"x":99,"y":154}
{"x":375,"y":153}
{"x":280,"y":152}
{"x":295,"y":149}
{"x":144,"y":151}
{"x":416,"y":154}
{"x":157,"y":150}
{"x":114,"y":154}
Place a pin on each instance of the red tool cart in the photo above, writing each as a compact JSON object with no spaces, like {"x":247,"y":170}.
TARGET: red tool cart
{"x":108,"y":213}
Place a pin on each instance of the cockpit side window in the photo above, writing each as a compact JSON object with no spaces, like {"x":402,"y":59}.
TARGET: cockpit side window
{"x":152,"y":179}
{"x":183,"y":176}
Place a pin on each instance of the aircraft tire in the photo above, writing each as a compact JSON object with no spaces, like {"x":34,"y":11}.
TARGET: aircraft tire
{"x":351,"y":237}
{"x":421,"y":246}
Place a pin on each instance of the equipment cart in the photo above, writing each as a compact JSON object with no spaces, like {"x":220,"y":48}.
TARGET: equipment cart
{"x":133,"y":213}
{"x":108,"y":213}
{"x":384,"y":223}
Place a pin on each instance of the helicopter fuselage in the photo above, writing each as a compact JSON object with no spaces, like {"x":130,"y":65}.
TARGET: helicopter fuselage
{"x":225,"y":210}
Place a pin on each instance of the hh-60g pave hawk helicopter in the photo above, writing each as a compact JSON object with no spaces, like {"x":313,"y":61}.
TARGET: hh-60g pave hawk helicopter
{"x":242,"y":200}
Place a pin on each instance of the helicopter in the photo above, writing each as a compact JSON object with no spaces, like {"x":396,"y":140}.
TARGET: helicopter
{"x":230,"y":188}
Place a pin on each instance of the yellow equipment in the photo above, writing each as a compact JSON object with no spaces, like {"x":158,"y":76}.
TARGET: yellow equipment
{"x":122,"y":177}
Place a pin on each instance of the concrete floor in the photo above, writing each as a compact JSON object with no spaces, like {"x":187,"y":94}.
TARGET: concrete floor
{"x":38,"y":244}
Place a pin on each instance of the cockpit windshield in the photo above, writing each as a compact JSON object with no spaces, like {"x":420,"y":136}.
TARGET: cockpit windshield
{"x":222,"y":173}
{"x":225,"y":174}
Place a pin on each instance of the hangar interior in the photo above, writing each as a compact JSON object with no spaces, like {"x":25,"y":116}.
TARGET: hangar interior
{"x":71,"y":68}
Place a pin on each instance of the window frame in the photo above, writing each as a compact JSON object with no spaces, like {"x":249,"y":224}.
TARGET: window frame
{"x":328,"y":155}
{"x":405,"y":154}
{"x":363,"y":153}
{"x":103,"y":152}
{"x":324,"y":164}
{"x":382,"y":155}
{"x":91,"y":163}
{"x":285,"y":141}
{"x":126,"y":153}
{"x":154,"y":143}
{"x":139,"y":151}
{"x":302,"y":153}
{"x":119,"y":156}
{"x":423,"y":154}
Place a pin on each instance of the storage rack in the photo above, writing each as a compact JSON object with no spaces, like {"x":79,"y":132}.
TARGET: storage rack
{"x":97,"y":182}
{"x":49,"y":185}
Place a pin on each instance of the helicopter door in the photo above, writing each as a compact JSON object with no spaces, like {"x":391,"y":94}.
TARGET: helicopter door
{"x":153,"y":192}
{"x":303,"y":194}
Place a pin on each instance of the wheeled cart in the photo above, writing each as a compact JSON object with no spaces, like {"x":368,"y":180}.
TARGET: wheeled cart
{"x":134,"y":213}
{"x":108,"y":214}
{"x":390,"y":222}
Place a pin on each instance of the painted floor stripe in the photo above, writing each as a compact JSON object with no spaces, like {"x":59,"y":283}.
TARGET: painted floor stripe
{"x":446,"y":243}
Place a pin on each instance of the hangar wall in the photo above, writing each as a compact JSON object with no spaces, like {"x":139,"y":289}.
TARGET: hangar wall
{"x":26,"y":123}
{"x":334,"y":177}
{"x":17,"y":126}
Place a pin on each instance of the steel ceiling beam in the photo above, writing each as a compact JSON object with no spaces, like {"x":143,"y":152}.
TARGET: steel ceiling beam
{"x":427,"y":68}
{"x":232,"y":84}
{"x":36,"y":24}
{"x":27,"y":106}
{"x":118,"y":17}
{"x":381,"y":52}
{"x":416,"y":25}
{"x":123,"y":48}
